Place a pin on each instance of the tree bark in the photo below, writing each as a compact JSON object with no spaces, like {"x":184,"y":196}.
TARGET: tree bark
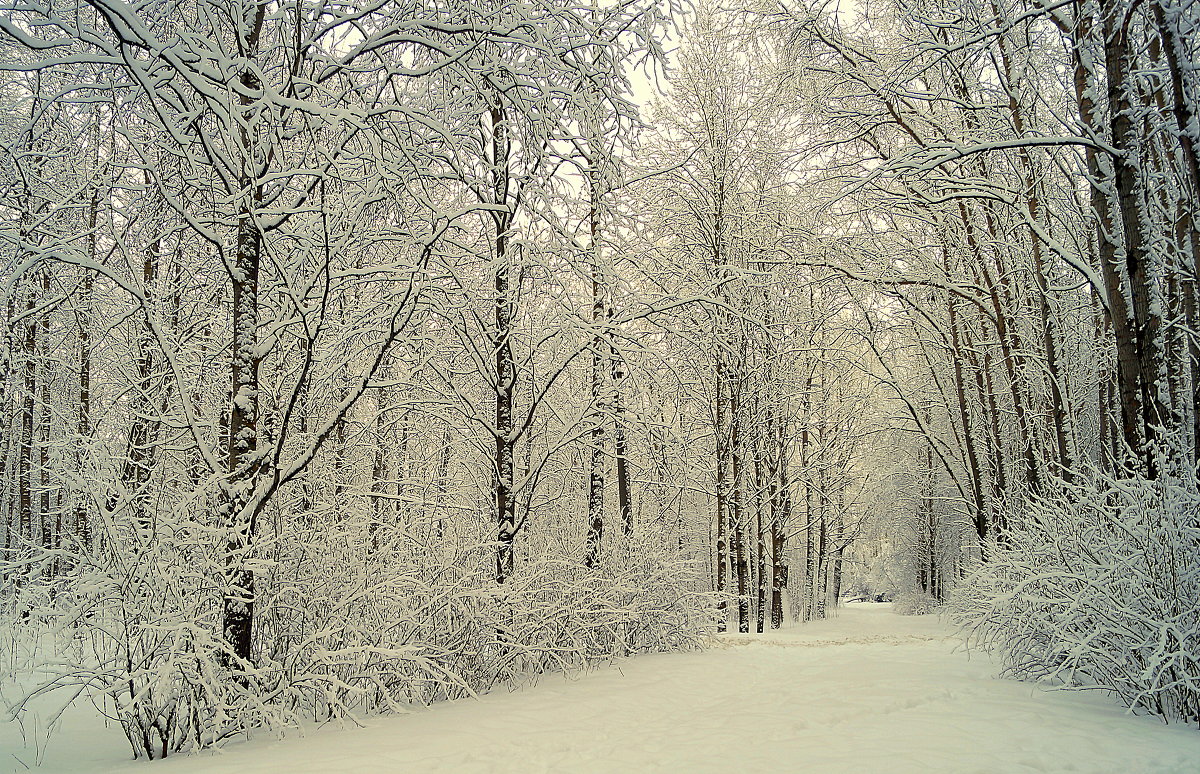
{"x":1147,"y":323}
{"x":244,"y":463}
{"x":595,"y":532}
{"x":505,"y":365}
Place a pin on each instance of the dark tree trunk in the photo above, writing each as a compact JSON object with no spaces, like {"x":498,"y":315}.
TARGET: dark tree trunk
{"x":620,"y":449}
{"x":964,"y":418}
{"x":595,"y":532}
{"x":46,"y":520}
{"x":1148,"y":362}
{"x":505,"y":366}
{"x":779,"y":522}
{"x":724,"y":523}
{"x":244,"y":465}
{"x":1009,"y":349}
{"x":1087,"y":85}
{"x":738,"y":524}
{"x":83,"y":323}
{"x":763,"y":500}
{"x":25,"y":474}
{"x":379,"y":506}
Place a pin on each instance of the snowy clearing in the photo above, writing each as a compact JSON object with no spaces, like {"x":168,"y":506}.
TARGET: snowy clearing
{"x":868,"y":691}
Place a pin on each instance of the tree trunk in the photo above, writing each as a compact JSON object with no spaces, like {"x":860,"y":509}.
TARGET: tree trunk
{"x":964,"y":418}
{"x":83,"y":323}
{"x":724,"y":523}
{"x":244,"y":463}
{"x":595,"y":532}
{"x":505,"y":365}
{"x":620,"y":450}
{"x":46,"y":520}
{"x":738,"y":524}
{"x":25,"y":474}
{"x":779,"y":523}
{"x":763,"y":499}
{"x":1147,"y":323}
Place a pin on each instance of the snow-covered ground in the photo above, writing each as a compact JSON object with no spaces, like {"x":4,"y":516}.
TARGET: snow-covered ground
{"x":866,"y":692}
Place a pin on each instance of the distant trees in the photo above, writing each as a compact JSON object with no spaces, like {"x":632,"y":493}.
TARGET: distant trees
{"x":1028,"y":171}
{"x":769,"y":354}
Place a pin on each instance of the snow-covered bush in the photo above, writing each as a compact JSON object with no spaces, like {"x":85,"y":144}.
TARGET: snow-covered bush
{"x":134,"y":625}
{"x":404,"y":624}
{"x":914,"y":603}
{"x":1101,"y":589}
{"x":367,"y":619}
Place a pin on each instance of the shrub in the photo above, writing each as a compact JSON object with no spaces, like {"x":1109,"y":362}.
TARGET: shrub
{"x":1099,"y":588}
{"x":359,"y":621}
{"x":915,"y":603}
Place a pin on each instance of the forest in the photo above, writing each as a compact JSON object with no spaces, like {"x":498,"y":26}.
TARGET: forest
{"x":366,"y":355}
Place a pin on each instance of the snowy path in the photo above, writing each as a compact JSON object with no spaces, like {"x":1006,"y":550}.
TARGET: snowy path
{"x":867,"y":692}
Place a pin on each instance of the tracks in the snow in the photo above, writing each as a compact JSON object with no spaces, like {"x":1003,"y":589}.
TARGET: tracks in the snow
{"x":750,"y":640}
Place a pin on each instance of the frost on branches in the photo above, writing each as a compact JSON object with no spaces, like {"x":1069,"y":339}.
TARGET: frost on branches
{"x":1100,"y":589}
{"x":236,"y":237}
{"x":357,"y":357}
